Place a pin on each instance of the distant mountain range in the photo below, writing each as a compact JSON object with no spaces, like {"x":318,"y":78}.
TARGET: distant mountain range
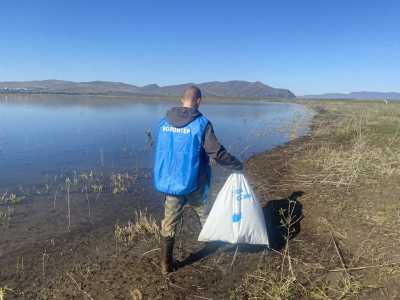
{"x":357,"y":95}
{"x":234,"y":88}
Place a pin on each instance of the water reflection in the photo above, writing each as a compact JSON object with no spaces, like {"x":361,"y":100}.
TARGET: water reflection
{"x":42,"y":134}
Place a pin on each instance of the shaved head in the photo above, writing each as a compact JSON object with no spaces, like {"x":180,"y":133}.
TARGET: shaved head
{"x":191,"y":97}
{"x":191,"y":93}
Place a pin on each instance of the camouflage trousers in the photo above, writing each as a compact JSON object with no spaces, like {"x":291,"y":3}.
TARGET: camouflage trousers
{"x":173,"y":210}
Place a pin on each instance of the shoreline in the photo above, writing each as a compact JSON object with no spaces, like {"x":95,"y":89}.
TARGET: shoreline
{"x":135,"y":97}
{"x":341,"y":244}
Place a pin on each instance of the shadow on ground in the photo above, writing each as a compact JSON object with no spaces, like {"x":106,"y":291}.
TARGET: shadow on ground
{"x":274,"y":212}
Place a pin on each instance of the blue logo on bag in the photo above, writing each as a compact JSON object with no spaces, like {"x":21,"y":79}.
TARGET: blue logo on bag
{"x":240,"y":195}
{"x":236,"y":218}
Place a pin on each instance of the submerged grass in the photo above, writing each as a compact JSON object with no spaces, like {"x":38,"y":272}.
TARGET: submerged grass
{"x":10,"y":198}
{"x":6,"y":214}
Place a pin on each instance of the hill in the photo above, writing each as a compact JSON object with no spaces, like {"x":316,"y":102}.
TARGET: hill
{"x":234,"y":88}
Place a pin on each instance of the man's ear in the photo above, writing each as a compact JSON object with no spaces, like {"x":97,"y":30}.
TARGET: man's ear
{"x":198,"y":101}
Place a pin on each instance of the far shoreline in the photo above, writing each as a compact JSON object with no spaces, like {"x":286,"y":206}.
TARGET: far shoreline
{"x":56,"y":98}
{"x":207,"y":99}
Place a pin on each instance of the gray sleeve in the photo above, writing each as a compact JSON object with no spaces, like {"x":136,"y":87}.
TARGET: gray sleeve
{"x":218,"y":152}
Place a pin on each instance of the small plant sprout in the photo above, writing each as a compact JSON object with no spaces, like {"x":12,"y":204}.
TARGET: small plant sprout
{"x":45,"y":256}
{"x":20,"y":264}
{"x":120,"y":183}
{"x":97,"y":188}
{"x":91,"y":184}
{"x":87,"y":200}
{"x":5,"y":215}
{"x":75,"y":178}
{"x":287,"y":222}
{"x":67,"y":187}
{"x":55,"y":197}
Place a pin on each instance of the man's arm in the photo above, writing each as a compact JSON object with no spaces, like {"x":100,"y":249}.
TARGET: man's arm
{"x":218,"y":152}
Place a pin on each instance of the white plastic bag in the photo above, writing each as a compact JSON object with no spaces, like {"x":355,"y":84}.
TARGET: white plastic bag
{"x":236,"y":216}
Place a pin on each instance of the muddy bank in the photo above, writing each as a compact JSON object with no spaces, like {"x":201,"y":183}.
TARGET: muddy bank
{"x":42,"y":257}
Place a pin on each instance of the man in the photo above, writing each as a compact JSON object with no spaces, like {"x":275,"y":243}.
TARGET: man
{"x":186,"y":141}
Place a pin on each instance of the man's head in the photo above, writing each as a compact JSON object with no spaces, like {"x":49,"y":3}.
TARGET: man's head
{"x":191,"y":97}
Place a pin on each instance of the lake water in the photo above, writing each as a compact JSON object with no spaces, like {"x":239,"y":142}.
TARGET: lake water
{"x":44,"y":135}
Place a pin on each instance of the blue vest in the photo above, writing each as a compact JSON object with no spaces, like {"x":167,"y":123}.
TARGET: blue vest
{"x":180,"y":156}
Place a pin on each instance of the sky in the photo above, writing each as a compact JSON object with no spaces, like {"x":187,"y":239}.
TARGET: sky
{"x":307,"y":46}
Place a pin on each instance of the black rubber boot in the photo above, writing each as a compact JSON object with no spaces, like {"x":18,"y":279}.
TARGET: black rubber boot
{"x":167,"y":260}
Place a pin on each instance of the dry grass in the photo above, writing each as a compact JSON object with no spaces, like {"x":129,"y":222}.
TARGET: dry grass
{"x":266,"y":284}
{"x":349,"y":170}
{"x":136,"y":294}
{"x":362,"y":143}
{"x":4,"y":291}
{"x":145,"y":226}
